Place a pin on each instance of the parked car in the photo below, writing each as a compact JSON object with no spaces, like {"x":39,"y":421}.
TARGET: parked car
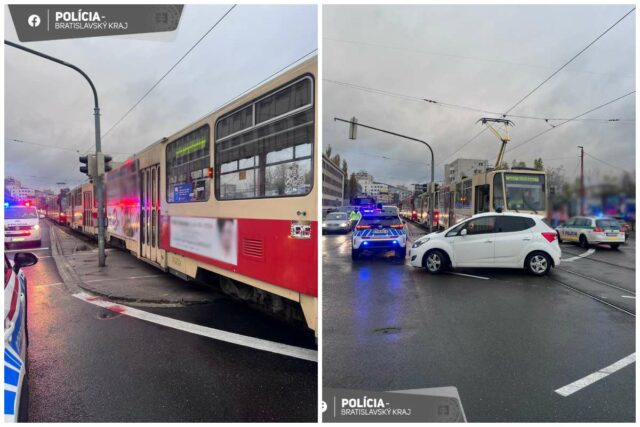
{"x":624,"y":224}
{"x":590,"y":230}
{"x":15,"y":336}
{"x":504,"y":240}
{"x":336,"y":222}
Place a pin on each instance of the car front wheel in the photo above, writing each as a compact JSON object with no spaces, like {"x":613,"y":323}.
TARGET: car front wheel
{"x":538,"y":264}
{"x":435,"y":261}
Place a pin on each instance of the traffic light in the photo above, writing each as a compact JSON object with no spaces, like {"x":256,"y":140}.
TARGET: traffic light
{"x":353,"y":128}
{"x":103,"y":163}
{"x":107,"y":163}
{"x":84,"y":160}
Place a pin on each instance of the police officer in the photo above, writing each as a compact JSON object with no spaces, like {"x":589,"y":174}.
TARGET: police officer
{"x":354,"y":217}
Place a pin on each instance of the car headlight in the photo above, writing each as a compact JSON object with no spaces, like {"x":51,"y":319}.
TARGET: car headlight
{"x":324,"y":224}
{"x":419,"y":243}
{"x":36,"y":227}
{"x":344,"y":224}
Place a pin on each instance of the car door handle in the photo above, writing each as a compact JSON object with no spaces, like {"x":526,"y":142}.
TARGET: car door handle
{"x":527,"y":238}
{"x":488,"y":241}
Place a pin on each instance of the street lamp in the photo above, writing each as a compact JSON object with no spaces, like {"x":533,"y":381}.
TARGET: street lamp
{"x":353,"y":124}
{"x":96,"y":113}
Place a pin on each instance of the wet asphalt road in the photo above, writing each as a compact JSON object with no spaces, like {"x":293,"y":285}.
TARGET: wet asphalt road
{"x":92,"y":365}
{"x":506,"y":343}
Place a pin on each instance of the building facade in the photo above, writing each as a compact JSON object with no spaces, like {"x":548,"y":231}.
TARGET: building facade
{"x":461,"y":168}
{"x":332,"y":184}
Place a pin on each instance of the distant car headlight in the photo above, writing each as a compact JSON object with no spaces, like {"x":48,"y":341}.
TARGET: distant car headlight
{"x":419,"y":243}
{"x":324,"y":224}
{"x":36,"y":227}
{"x":344,"y":224}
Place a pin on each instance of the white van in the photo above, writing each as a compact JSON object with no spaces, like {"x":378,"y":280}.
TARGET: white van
{"x":21,"y":225}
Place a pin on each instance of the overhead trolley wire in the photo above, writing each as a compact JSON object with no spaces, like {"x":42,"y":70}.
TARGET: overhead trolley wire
{"x":168,"y":71}
{"x":569,"y":61}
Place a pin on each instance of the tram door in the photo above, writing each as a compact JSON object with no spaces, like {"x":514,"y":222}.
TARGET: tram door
{"x":482,"y":199}
{"x":150,"y":210}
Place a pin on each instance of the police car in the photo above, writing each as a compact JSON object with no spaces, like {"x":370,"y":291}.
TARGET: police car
{"x":21,"y":224}
{"x":15,"y":336}
{"x":379,"y":230}
{"x":589,"y":230}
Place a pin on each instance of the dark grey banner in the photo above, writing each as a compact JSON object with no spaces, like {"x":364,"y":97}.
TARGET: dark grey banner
{"x":52,"y":22}
{"x":420,"y":405}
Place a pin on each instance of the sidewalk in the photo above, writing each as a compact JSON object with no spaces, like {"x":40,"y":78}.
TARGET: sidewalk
{"x":124,"y":278}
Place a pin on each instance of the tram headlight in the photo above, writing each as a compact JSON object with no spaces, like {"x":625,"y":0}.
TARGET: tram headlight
{"x":419,"y":242}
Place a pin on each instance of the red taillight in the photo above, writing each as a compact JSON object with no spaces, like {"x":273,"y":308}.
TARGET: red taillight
{"x":362,"y":227}
{"x":414,"y":212}
{"x":397,"y":226}
{"x":622,"y":230}
{"x":598,"y":230}
{"x":549,"y":236}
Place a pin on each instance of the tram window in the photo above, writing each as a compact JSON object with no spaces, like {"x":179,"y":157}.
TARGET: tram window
{"x":235,"y":122}
{"x":466,"y":194}
{"x":498,"y":195}
{"x":288,"y":99}
{"x":188,"y":161}
{"x":525,"y":192}
{"x":274,"y":159}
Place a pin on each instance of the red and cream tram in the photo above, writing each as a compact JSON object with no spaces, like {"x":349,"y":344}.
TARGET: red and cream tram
{"x":231,"y":199}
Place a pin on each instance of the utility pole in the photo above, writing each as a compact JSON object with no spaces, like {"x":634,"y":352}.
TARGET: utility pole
{"x":581,"y":179}
{"x":353,"y":135}
{"x":96,"y":112}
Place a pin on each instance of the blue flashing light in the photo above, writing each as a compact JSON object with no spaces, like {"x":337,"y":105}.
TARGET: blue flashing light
{"x":365,"y":243}
{"x":395,"y":242}
{"x":6,"y":204}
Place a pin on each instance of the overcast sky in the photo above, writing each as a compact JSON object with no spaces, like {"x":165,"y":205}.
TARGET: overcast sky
{"x":485,"y":57}
{"x":53,"y":105}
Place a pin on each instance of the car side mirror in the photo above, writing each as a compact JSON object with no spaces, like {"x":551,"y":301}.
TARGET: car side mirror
{"x":23,"y":259}
{"x":463,"y":232}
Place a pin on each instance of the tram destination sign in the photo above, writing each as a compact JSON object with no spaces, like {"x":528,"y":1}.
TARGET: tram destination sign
{"x":523,"y":178}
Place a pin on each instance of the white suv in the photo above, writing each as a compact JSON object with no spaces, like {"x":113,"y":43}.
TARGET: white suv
{"x":505,"y":240}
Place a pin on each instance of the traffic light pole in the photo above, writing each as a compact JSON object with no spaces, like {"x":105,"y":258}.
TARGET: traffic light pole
{"x":431,"y":201}
{"x":96,"y":113}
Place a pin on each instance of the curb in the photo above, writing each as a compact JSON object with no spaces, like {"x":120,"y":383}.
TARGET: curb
{"x":69,"y":277}
{"x":74,"y":284}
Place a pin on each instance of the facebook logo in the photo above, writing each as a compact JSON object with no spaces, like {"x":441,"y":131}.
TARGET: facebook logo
{"x":33,"y":20}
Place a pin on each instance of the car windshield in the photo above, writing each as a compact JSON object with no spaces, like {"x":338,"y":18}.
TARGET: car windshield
{"x":20,"y":212}
{"x":607,"y":223}
{"x":337,"y":216}
{"x":525,"y":192}
{"x":380,"y":220}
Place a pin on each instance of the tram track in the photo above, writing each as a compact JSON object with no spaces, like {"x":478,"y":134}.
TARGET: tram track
{"x":594,"y":297}
{"x":598,"y":260}
{"x":593,"y":279}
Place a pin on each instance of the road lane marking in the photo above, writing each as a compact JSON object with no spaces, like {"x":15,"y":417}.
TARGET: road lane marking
{"x":49,"y":284}
{"x":27,"y":250}
{"x":628,"y":296}
{"x":124,"y":278}
{"x":578,"y":385}
{"x":217,"y":334}
{"x":582,"y":255}
{"x":469,"y":275}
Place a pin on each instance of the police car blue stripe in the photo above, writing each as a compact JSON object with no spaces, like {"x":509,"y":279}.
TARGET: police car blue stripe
{"x":16,"y":332}
{"x":10,"y":376}
{"x":12,"y":360}
{"x":9,"y":402}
